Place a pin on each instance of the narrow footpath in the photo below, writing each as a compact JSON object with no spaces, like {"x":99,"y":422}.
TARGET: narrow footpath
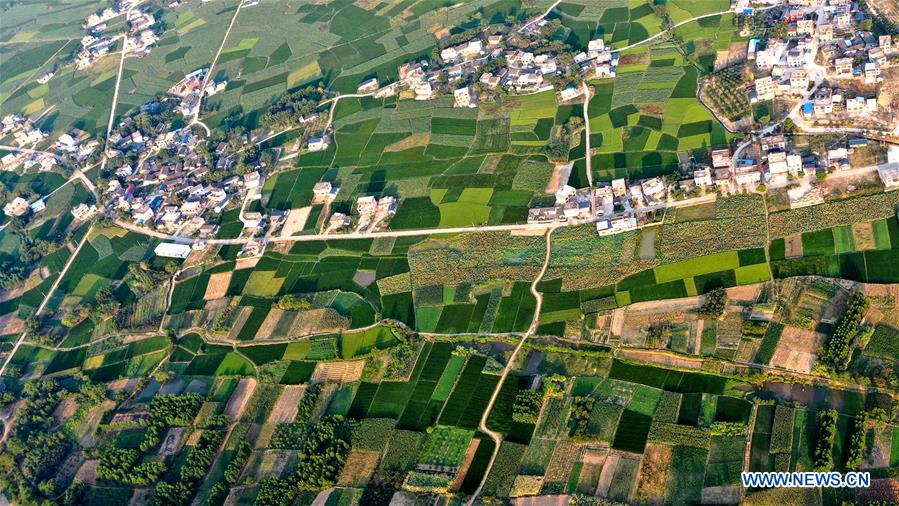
{"x":40,"y":309}
{"x":495,"y":436}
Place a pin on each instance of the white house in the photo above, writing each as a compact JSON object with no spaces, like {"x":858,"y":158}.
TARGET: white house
{"x":318,"y":143}
{"x":83,"y":212}
{"x":702,"y":177}
{"x":16,"y":207}
{"x":463,"y":97}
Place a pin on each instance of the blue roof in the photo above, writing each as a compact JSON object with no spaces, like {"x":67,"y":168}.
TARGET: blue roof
{"x":807,"y":108}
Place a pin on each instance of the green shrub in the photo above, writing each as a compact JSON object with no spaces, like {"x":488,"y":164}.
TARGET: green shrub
{"x":527,"y":406}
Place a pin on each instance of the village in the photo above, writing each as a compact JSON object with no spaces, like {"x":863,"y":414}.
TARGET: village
{"x":139,"y":40}
{"x":172,"y":182}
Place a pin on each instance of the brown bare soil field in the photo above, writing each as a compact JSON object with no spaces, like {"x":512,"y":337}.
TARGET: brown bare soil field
{"x":734,"y":54}
{"x":881,"y":450}
{"x":10,"y":324}
{"x":246,"y":263}
{"x":793,"y":246}
{"x":654,"y":474}
{"x":595,"y":456}
{"x":863,"y":233}
{"x":605,"y":477}
{"x":88,"y":472}
{"x":466,"y":463}
{"x":344,"y":372}
{"x":797,"y":349}
{"x":285,"y":409}
{"x":746,"y":293}
{"x":64,"y":410}
{"x":267,"y":329}
{"x":360,"y":466}
{"x":238,"y":401}
{"x":172,"y":441}
{"x":882,"y":292}
{"x":141,"y":496}
{"x":295,"y":222}
{"x":885,"y":490}
{"x":217,"y":286}
{"x":560,"y":171}
{"x":122,"y":384}
{"x":663,"y":358}
{"x":543,"y":500}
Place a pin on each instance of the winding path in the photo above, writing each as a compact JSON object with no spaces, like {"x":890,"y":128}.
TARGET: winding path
{"x":495,"y":436}
{"x":663,"y":32}
{"x":540,"y":17}
{"x":694,"y":18}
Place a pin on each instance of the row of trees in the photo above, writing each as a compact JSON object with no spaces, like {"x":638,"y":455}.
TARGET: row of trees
{"x":838,"y":348}
{"x":826,"y":435}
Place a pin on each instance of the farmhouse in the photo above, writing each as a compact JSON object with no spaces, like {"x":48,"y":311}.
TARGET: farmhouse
{"x":747,"y":175}
{"x":616,"y":225}
{"x":843,"y":67}
{"x":16,"y":207}
{"x":889,"y":176}
{"x":83,"y":212}
{"x":545,"y":214}
{"x":318,"y":143}
{"x":463,"y":97}
{"x":764,"y":88}
{"x":702,"y":177}
{"x":721,"y":158}
{"x":324,"y":191}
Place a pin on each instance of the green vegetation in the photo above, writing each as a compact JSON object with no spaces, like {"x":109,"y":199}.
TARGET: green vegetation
{"x":826,"y":433}
{"x":840,"y":344}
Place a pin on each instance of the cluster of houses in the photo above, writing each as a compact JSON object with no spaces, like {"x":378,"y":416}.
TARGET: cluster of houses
{"x":24,"y":135}
{"x":523,"y":72}
{"x":190,"y":91}
{"x":821,"y":41}
{"x":23,"y":131}
{"x":370,"y":213}
{"x":617,"y":206}
{"x":172,"y":194}
{"x":95,"y":44}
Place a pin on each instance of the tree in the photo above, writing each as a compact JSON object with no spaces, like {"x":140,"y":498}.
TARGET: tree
{"x":292,"y":302}
{"x":714,"y":305}
{"x":789,"y":126}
